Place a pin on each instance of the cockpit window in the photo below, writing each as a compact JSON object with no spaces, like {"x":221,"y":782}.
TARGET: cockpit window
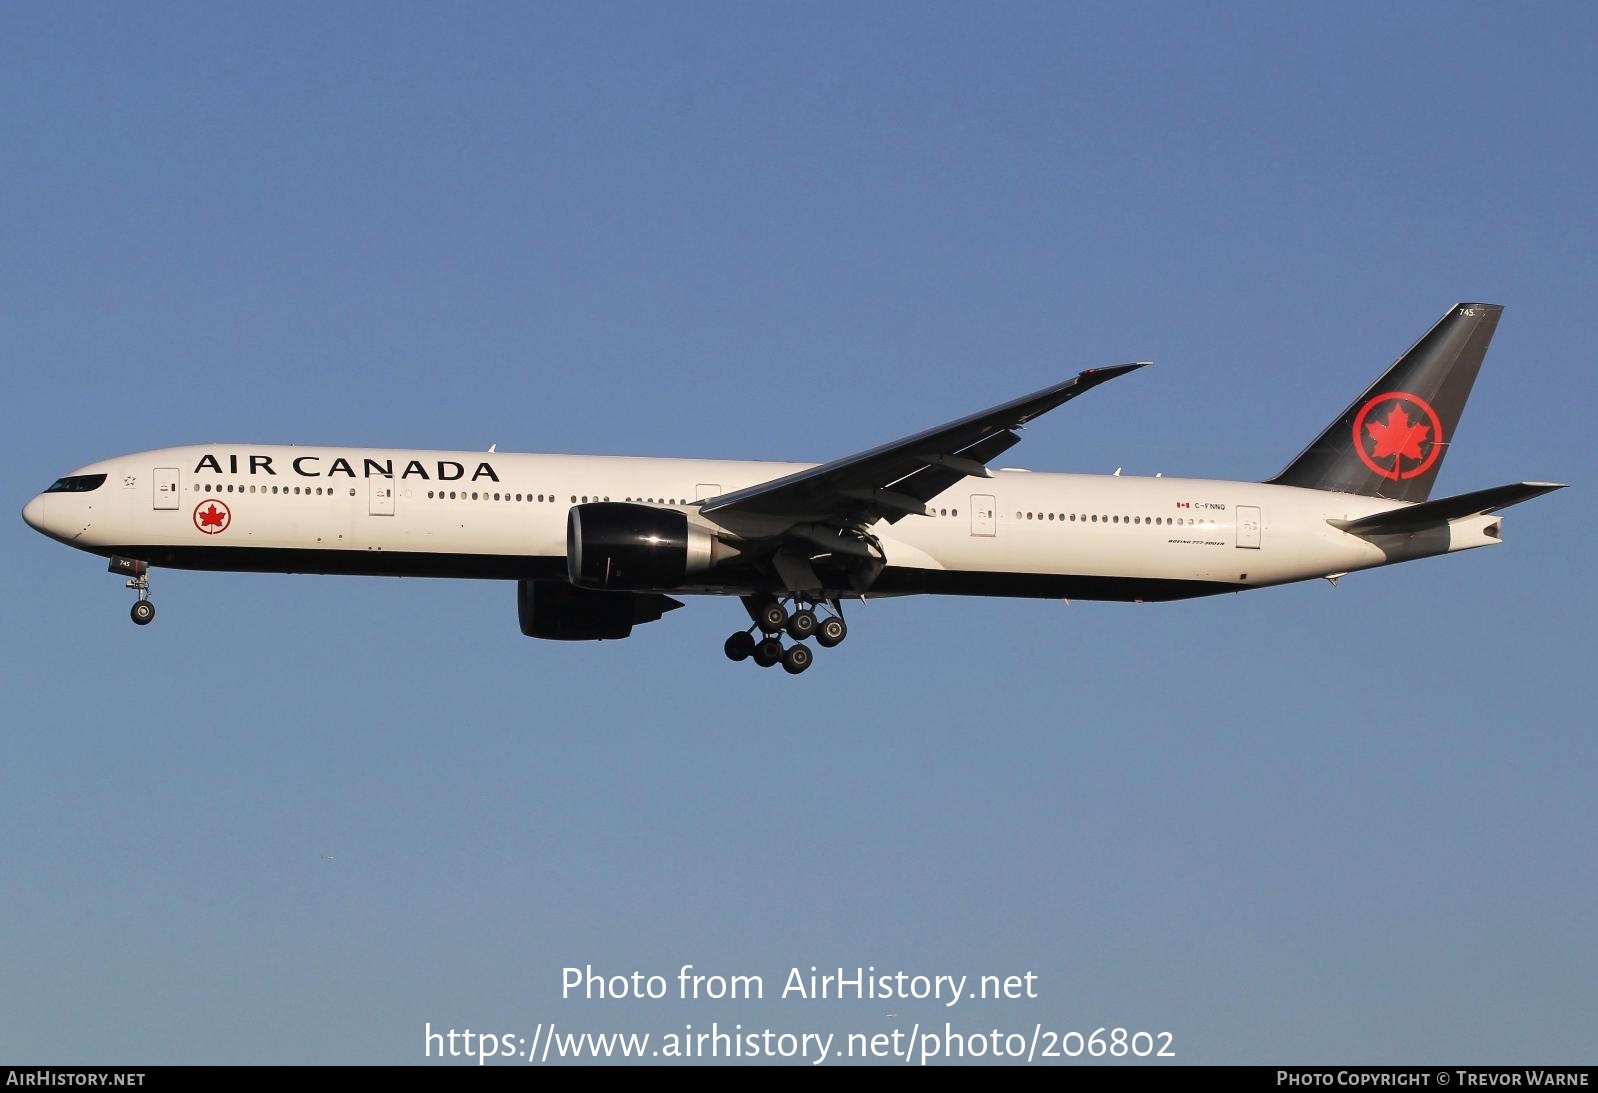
{"x":77,"y":483}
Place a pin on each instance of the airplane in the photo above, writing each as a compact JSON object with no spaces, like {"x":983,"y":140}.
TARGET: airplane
{"x":600,"y":544}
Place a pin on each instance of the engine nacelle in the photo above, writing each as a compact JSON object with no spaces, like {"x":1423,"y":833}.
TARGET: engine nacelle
{"x":558,"y":612}
{"x":614,"y":545}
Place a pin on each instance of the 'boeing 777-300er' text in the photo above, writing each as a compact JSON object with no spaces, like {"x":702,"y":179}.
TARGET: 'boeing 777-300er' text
{"x":598,"y":545}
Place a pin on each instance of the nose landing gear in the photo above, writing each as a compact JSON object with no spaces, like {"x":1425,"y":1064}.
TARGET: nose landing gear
{"x":772,"y":619}
{"x":139,"y":580}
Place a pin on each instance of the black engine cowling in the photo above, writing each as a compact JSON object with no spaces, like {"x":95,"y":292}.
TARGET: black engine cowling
{"x":557,"y":611}
{"x":613,"y":545}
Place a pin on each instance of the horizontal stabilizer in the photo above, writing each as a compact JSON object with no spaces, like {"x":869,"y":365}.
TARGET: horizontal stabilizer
{"x":1444,"y":509}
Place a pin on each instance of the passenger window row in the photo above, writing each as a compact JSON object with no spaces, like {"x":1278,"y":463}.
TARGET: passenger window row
{"x":484,"y":495}
{"x":307,"y":491}
{"x":1095,"y":518}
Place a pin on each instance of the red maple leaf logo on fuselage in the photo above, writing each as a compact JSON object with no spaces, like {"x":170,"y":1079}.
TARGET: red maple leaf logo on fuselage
{"x":212,"y":517}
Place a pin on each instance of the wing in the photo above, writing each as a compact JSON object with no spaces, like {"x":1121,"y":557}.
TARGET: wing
{"x":896,"y":480}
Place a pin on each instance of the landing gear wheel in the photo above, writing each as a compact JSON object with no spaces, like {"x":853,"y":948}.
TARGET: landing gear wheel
{"x":831,"y":632}
{"x":797,"y":659}
{"x":143,"y":611}
{"x":772,"y":617}
{"x":768,"y":652}
{"x":802,"y":624}
{"x":740,"y":646}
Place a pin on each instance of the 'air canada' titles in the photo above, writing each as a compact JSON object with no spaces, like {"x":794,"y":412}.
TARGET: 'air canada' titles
{"x":311,"y":466}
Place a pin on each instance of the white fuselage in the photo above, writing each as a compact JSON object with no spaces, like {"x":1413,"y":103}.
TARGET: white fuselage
{"x":504,"y":515}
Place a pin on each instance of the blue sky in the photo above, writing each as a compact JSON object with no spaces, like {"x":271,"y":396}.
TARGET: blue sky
{"x":1311,"y":825}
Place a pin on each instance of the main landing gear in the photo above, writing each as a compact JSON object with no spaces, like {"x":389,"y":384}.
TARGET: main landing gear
{"x":772,"y":619}
{"x":139,"y":580}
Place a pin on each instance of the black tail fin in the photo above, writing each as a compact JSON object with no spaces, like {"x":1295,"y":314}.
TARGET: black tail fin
{"x":1391,"y":440}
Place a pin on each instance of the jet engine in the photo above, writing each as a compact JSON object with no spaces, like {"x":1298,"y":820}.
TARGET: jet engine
{"x":614,"y":545}
{"x":557,"y":611}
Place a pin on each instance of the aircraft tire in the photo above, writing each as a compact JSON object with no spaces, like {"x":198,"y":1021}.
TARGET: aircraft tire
{"x":768,"y":652}
{"x":773,"y":618}
{"x":802,"y":624}
{"x":740,"y":646}
{"x":797,"y":659}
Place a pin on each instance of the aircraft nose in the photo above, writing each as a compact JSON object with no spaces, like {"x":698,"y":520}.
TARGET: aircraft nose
{"x":33,"y":513}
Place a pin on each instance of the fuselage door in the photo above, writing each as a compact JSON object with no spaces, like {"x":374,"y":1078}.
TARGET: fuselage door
{"x":380,"y":498}
{"x":166,"y":487}
{"x":983,"y":512}
{"x":1248,"y":527}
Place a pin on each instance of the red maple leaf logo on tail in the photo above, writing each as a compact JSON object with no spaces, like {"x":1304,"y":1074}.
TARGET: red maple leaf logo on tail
{"x":1398,"y":436}
{"x":1403,"y":436}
